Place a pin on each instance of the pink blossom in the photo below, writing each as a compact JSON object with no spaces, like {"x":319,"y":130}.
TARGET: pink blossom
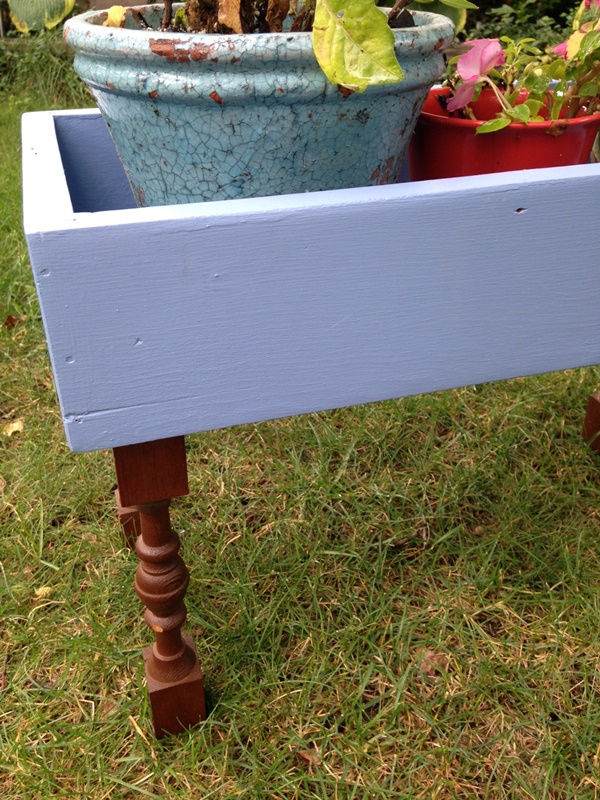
{"x":480,"y":60}
{"x":588,"y":3}
{"x":561,"y":50}
{"x":473,"y":67}
{"x":463,"y":94}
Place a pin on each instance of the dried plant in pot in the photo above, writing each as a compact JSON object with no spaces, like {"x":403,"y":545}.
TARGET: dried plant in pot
{"x":225,"y":113}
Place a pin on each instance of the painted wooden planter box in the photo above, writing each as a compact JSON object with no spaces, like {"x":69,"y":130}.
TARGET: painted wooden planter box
{"x":172,"y":320}
{"x":168,"y":321}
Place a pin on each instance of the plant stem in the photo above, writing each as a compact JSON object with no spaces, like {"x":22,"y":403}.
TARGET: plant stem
{"x":572,"y":100}
{"x":397,"y":9}
{"x":304,"y":19}
{"x":501,"y":97}
{"x":166,"y":20}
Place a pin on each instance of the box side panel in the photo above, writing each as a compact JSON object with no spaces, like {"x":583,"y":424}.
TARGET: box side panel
{"x":185,"y":325}
{"x":45,"y":192}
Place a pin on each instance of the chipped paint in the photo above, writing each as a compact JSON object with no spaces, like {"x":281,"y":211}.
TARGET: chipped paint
{"x":203,"y":117}
{"x":178,"y":51}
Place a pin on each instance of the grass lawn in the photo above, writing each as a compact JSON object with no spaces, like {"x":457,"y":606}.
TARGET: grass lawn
{"x":389,"y":601}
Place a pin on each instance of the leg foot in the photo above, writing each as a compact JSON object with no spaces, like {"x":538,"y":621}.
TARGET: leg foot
{"x":180,"y":705}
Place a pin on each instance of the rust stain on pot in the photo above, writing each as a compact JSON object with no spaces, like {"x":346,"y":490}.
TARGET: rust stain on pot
{"x":216,"y":97}
{"x":153,"y":94}
{"x":558,"y":127}
{"x":439,"y":44}
{"x":382,"y":176}
{"x":110,"y":86}
{"x":168,"y":49}
{"x":387,"y":169}
{"x":345,"y":91}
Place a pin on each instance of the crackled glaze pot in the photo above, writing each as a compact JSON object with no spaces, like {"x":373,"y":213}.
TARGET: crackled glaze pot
{"x":199,"y":117}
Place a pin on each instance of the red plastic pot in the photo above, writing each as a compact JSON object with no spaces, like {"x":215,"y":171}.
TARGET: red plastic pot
{"x":446,"y":147}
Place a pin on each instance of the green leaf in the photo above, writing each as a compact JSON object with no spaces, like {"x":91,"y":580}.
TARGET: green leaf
{"x":589,"y":44}
{"x":520,"y":113}
{"x":589,"y":89}
{"x":35,"y":15}
{"x":457,"y":15}
{"x":556,"y":70}
{"x":458,"y":4}
{"x":354,"y":44}
{"x":493,"y":125}
{"x":537,"y":84}
{"x":534,"y":106}
{"x":558,"y":100}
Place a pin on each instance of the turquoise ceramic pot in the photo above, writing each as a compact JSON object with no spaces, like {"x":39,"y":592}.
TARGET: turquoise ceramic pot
{"x":199,"y":117}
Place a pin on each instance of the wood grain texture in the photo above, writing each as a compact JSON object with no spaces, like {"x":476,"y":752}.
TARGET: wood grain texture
{"x":151,"y":471}
{"x":177,"y":706}
{"x":168,"y":321}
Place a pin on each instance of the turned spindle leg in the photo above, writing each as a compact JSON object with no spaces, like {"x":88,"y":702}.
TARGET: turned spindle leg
{"x":149,"y":475}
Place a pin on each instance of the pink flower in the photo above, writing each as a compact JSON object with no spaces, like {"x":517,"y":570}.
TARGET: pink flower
{"x":480,"y":60}
{"x":588,"y":3}
{"x":561,"y":50}
{"x":473,"y":67}
{"x":463,"y":95}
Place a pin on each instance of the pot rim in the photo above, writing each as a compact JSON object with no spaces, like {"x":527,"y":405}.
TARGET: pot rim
{"x":457,"y":122}
{"x":86,"y":33}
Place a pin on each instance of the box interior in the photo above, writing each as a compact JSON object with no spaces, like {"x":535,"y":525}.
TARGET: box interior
{"x":94,"y":174}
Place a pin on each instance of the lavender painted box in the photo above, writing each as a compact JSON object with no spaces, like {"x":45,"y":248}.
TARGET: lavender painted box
{"x":172,"y":320}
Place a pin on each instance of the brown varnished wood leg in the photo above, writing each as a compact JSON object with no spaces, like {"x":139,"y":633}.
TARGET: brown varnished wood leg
{"x":129,"y":520}
{"x":148,"y":476}
{"x":591,"y":424}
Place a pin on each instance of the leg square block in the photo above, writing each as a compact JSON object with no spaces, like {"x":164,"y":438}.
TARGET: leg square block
{"x":176,"y":706}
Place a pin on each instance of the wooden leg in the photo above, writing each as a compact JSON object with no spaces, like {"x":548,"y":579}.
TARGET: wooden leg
{"x":149,"y":475}
{"x":129,"y":520}
{"x":591,"y":425}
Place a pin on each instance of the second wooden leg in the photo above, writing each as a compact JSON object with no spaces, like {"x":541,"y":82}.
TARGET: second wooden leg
{"x":591,"y":425}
